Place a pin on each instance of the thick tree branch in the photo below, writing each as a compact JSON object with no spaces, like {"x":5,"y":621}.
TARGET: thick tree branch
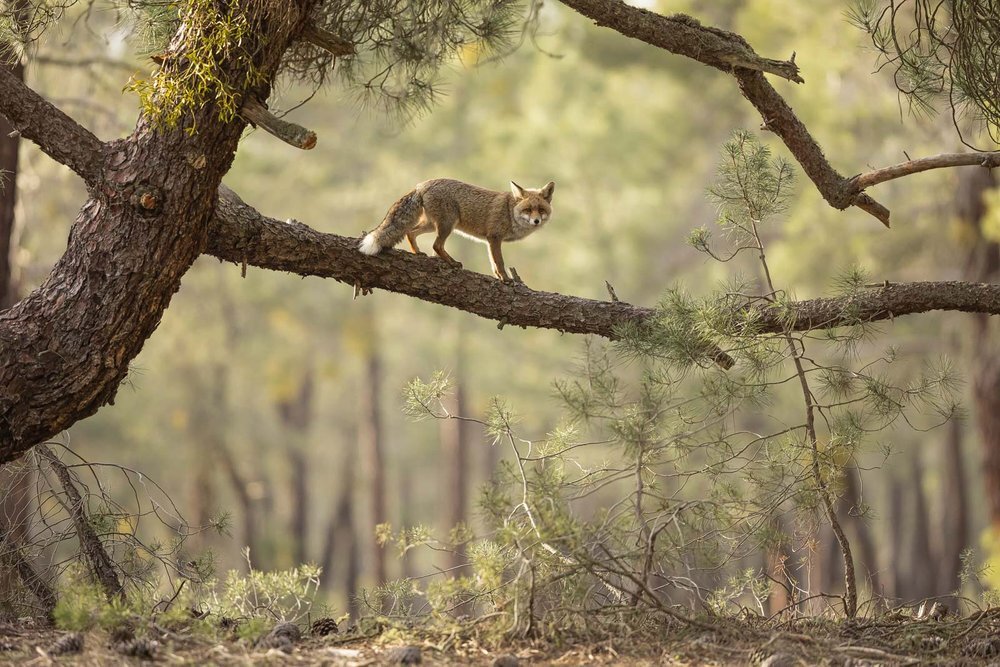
{"x":686,"y":37}
{"x":58,"y":135}
{"x":240,"y":234}
{"x":293,"y":135}
{"x":989,"y":160}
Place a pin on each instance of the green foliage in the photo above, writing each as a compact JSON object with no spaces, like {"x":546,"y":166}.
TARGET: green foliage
{"x":939,"y":52}
{"x":213,"y":45}
{"x":82,"y":604}
{"x":280,"y":595}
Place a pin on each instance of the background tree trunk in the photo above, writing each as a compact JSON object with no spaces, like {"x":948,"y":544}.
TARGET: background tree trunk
{"x":954,"y":530}
{"x":297,"y":414}
{"x":370,"y":436}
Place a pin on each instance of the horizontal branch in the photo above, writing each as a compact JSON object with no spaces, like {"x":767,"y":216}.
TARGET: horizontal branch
{"x":58,"y":135}
{"x":687,"y":37}
{"x":989,"y":160}
{"x":240,"y":234}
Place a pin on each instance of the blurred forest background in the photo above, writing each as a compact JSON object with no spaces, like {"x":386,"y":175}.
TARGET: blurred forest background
{"x":276,"y":402}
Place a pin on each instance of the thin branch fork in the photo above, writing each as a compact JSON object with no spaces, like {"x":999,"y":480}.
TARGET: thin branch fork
{"x":989,"y":160}
{"x":256,"y":113}
{"x":719,"y":49}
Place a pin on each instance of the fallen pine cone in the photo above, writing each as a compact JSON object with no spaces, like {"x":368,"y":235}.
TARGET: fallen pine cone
{"x":144,"y":649}
{"x":323,"y":626}
{"x":67,"y":644}
{"x":282,"y":637}
{"x":404,"y":655}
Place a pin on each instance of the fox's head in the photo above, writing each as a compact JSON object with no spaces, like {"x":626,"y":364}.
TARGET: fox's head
{"x":533,"y":207}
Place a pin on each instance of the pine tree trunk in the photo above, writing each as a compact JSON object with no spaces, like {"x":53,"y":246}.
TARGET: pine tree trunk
{"x":66,"y":347}
{"x":954,"y":530}
{"x":370,"y":436}
{"x":455,"y":444}
{"x":296,"y":415}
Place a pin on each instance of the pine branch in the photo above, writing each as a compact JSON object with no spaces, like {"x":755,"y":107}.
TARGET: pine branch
{"x":240,"y":234}
{"x":58,"y":135}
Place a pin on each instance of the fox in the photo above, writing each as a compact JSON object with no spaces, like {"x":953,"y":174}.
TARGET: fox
{"x":444,"y":205}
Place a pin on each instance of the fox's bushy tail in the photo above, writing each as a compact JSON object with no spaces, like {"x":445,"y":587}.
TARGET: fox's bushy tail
{"x":402,"y":216}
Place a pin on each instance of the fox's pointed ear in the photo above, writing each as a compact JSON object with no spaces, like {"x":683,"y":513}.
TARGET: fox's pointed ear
{"x":548,"y":190}
{"x":517,"y":190}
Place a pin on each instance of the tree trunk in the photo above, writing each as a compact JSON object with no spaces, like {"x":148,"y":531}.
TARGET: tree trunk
{"x":897,"y":517}
{"x":10,"y":141}
{"x":983,"y":265}
{"x":370,"y":436}
{"x":920,"y":571}
{"x":66,"y":347}
{"x":856,"y":524}
{"x":342,"y":537}
{"x":297,"y":414}
{"x":455,"y":454}
{"x":954,"y":531}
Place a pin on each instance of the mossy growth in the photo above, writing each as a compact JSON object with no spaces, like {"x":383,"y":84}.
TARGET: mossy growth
{"x":210,"y":64}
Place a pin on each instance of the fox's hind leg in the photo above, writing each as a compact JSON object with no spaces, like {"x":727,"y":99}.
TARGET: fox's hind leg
{"x":422,"y":228}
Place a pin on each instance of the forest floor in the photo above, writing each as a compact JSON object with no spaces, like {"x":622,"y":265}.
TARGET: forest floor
{"x":971,"y":640}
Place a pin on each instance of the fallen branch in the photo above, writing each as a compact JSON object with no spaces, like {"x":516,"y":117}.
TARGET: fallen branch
{"x":90,"y":544}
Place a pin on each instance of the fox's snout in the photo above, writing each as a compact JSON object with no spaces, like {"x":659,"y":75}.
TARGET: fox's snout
{"x":536,"y":221}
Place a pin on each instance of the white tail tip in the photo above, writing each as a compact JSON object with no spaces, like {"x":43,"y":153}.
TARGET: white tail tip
{"x":369,"y":245}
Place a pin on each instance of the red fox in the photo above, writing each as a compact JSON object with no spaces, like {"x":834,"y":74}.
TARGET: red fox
{"x":445,"y":205}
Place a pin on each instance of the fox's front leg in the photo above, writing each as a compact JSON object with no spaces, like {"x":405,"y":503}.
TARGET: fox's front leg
{"x":496,"y":260}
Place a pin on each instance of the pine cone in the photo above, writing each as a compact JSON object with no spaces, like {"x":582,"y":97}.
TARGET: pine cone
{"x":122,"y":633}
{"x":144,"y":649}
{"x":282,"y":637}
{"x":71,"y":643}
{"x":982,"y":648}
{"x":323,"y":626}
{"x":7,"y":645}
{"x":506,"y":661}
{"x":404,"y":655}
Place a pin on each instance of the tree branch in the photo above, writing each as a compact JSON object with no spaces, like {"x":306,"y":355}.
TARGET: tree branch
{"x":989,"y":160}
{"x":240,"y":234}
{"x":716,"y":48}
{"x":58,"y":135}
{"x":293,"y":135}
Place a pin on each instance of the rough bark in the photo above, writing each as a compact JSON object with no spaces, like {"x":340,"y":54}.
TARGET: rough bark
{"x":65,"y":348}
{"x":241,"y":235}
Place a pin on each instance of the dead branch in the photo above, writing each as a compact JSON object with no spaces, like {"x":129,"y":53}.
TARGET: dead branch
{"x":687,"y":37}
{"x":90,"y":544}
{"x":325,"y":39}
{"x":31,"y":579}
{"x":256,"y":113}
